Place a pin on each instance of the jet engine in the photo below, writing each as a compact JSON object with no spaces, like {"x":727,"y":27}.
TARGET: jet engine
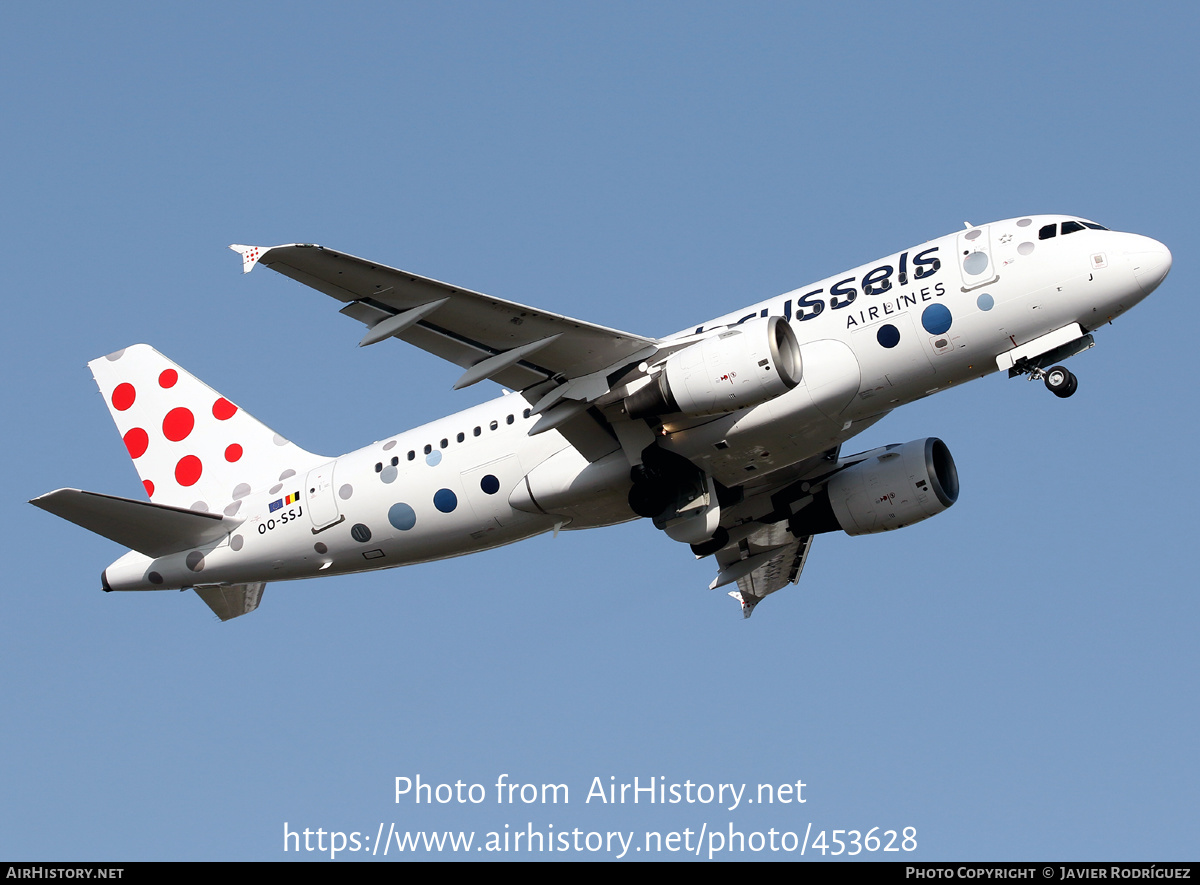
{"x":741,"y":366}
{"x":889,"y":488}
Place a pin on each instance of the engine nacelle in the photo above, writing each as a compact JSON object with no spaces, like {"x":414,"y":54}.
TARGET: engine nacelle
{"x":895,"y":488}
{"x":739,"y":367}
{"x":889,"y":489}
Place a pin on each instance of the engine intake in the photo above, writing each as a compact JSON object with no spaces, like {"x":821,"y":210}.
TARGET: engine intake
{"x":739,"y":367}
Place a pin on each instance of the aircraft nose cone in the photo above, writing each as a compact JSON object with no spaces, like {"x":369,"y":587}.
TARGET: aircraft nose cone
{"x":1150,"y":263}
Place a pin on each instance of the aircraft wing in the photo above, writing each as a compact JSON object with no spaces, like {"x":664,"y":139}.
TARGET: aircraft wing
{"x":561,"y":365}
{"x":510,"y":343}
{"x":762,"y":562}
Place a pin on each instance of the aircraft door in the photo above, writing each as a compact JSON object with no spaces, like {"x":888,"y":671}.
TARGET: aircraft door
{"x":319,"y":497}
{"x":976,"y":262}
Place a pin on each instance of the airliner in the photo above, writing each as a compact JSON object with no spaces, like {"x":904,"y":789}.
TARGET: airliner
{"x":727,"y":436}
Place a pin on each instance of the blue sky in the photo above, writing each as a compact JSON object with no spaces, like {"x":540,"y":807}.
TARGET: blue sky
{"x":1015,"y":679}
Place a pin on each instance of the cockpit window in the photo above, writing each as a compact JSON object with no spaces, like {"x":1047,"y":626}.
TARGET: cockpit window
{"x":1094,"y":226}
{"x":1070,"y":227}
{"x":1048,"y":231}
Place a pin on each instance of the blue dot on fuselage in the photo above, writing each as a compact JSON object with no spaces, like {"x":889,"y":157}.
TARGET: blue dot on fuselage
{"x":936,"y":319}
{"x":445,"y":500}
{"x":402,"y":517}
{"x":433,"y":458}
{"x":985,"y":301}
{"x":888,"y":335}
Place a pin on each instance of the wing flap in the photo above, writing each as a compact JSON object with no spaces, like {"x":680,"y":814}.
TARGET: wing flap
{"x":152,"y":529}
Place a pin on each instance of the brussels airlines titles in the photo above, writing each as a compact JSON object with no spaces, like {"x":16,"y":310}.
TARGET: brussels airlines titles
{"x":843,"y":293}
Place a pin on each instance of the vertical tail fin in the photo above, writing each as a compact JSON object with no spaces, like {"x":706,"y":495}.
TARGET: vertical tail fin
{"x":191,"y":446}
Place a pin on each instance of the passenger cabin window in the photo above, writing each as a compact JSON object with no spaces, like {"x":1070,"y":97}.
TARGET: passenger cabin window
{"x":508,"y":420}
{"x":412,"y":455}
{"x":494,"y":425}
{"x":1070,"y":227}
{"x":461,"y":437}
{"x":1047,"y":232}
{"x":478,"y":430}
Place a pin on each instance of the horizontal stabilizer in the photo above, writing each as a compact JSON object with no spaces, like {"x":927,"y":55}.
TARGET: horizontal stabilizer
{"x":151,"y":529}
{"x":231,"y":600}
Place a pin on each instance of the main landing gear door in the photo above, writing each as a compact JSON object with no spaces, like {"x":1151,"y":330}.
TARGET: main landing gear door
{"x":319,"y":497}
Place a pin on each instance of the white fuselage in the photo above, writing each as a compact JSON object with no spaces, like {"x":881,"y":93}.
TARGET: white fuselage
{"x":449,"y":487}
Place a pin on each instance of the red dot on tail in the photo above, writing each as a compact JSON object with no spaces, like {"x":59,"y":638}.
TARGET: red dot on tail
{"x":136,"y":440}
{"x":149,"y":487}
{"x":223,"y":409}
{"x":123,"y":397}
{"x":168,"y":378}
{"x":178,"y":424}
{"x":188,"y":470}
{"x":233,"y":453}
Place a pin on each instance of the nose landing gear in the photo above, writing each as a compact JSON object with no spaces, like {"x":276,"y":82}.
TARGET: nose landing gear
{"x":1060,"y":381}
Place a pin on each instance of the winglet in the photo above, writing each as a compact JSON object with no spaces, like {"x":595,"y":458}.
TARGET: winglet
{"x":250,"y":255}
{"x":748,"y":602}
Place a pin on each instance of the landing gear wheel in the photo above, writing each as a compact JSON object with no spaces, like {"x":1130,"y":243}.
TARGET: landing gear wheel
{"x":1060,"y":382}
